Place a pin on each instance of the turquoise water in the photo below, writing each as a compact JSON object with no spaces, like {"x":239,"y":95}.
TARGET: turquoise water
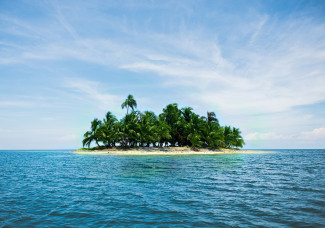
{"x":56,"y":188}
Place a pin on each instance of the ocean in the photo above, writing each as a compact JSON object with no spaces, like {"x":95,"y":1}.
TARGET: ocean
{"x":55,"y":188}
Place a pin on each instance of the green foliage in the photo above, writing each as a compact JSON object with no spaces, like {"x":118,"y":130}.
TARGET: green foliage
{"x":129,"y":103}
{"x":172,"y":116}
{"x":108,"y":129}
{"x":94,"y":134}
{"x":173,"y":127}
{"x":162,"y":133}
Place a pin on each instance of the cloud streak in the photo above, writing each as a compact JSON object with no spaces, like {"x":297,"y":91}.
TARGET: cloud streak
{"x":91,"y":90}
{"x":4,"y":104}
{"x":263,"y":83}
{"x":316,"y":134}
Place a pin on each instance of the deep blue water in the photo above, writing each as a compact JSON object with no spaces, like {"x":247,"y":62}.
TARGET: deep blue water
{"x":56,"y":188}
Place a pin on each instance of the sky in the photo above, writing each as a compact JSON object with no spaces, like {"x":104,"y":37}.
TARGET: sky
{"x":260,"y":65}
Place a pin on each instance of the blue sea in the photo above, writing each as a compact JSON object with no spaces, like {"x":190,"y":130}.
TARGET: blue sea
{"x":58,"y":188}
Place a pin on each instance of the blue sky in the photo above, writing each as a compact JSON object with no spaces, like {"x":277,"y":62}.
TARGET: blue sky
{"x":260,"y":65}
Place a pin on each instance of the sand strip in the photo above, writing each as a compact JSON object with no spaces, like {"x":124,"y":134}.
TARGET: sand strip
{"x":166,"y":151}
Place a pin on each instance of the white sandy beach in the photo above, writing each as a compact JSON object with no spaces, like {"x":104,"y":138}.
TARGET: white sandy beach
{"x":165,"y":151}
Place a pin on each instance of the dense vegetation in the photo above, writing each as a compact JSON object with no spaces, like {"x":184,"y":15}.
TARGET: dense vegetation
{"x":173,"y":127}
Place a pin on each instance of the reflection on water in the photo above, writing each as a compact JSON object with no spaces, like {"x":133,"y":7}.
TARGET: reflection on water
{"x":154,"y":166}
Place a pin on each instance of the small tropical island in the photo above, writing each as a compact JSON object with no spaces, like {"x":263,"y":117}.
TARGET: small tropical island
{"x":174,"y":131}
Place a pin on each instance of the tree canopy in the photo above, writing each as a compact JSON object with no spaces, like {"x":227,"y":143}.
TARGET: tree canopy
{"x":129,"y":103}
{"x":173,"y":127}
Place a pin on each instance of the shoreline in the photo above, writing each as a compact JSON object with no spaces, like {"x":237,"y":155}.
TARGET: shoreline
{"x":166,"y":151}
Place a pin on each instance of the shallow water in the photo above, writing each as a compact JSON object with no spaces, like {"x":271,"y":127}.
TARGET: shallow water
{"x":56,"y":188}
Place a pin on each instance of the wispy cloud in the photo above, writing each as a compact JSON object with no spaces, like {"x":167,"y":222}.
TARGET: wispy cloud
{"x":258,"y":28}
{"x":15,"y":104}
{"x":267,"y":80}
{"x":47,"y":118}
{"x":92,"y":90}
{"x":271,"y":80}
{"x":62,"y":19}
{"x":6,"y":131}
{"x":316,"y":134}
{"x":68,"y":138}
{"x":266,"y":136}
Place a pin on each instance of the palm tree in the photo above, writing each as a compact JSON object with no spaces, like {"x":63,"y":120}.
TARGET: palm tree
{"x":195,"y":140}
{"x":211,"y":117}
{"x":187,"y":112}
{"x":172,"y":115}
{"x":94,"y":134}
{"x":147,"y":122}
{"x":193,"y":131}
{"x":212,"y":133}
{"x":120,"y":135}
{"x":228,"y":136}
{"x":129,"y":103}
{"x":238,"y":140}
{"x":108,"y":130}
{"x":214,"y":136}
{"x":129,"y":129}
{"x":161,"y":133}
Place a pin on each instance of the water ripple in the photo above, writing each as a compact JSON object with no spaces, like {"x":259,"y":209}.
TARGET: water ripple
{"x":55,"y":188}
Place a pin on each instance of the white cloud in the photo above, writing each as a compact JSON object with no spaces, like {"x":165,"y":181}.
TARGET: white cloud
{"x":6,"y":131}
{"x":266,"y":136}
{"x":47,"y":118}
{"x":262,"y":78}
{"x":258,"y":29}
{"x":92,"y":90}
{"x":317,"y":133}
{"x":15,"y":104}
{"x":264,"y":75}
{"x":68,"y":138}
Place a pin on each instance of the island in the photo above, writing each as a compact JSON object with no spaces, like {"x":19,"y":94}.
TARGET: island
{"x":174,"y":131}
